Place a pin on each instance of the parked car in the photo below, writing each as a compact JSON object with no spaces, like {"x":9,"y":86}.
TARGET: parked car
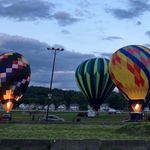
{"x":6,"y":116}
{"x":113,"y":111}
{"x":53,"y":118}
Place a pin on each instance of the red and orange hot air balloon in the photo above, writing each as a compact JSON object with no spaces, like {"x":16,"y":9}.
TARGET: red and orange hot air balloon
{"x":129,"y":68}
{"x":14,"y":78}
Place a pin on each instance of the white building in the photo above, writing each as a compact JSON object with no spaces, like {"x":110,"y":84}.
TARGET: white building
{"x":24,"y":106}
{"x":51,"y":107}
{"x":61,"y":107}
{"x":74,"y":107}
{"x":104,"y":107}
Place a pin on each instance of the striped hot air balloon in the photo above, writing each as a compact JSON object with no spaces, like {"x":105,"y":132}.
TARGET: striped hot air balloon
{"x":14,"y":78}
{"x":129,"y":69}
{"x":93,"y":79}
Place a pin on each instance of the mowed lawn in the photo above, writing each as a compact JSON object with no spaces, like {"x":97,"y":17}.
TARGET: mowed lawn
{"x":68,"y":116}
{"x":98,"y":129}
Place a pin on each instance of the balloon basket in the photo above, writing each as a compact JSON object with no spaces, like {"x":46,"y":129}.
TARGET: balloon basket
{"x":136,"y":116}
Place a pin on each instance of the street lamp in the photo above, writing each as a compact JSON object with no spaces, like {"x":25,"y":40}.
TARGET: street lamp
{"x":51,"y":81}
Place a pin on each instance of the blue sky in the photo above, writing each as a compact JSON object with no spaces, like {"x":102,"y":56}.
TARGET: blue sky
{"x":84,"y":28}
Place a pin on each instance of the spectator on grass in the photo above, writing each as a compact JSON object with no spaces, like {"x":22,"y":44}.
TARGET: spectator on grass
{"x":33,"y":117}
{"x":73,"y":119}
{"x":78,"y":120}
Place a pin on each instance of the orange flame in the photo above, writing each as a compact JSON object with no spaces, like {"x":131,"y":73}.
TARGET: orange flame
{"x":8,"y":105}
{"x":136,"y":107}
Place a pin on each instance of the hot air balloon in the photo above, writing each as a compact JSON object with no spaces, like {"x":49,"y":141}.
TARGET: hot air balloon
{"x":129,"y":69}
{"x":93,"y":79}
{"x":14,"y":78}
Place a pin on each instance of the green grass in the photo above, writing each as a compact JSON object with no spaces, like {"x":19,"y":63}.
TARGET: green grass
{"x":89,"y":128}
{"x":68,"y":116}
{"x":75,"y":131}
{"x":135,"y":128}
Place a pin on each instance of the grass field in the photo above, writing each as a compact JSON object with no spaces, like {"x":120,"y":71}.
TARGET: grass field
{"x":68,"y":116}
{"x":83,"y":130}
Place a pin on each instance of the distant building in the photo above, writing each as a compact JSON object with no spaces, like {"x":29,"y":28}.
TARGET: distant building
{"x":40,"y":107}
{"x":51,"y":107}
{"x":74,"y":107}
{"x":61,"y":107}
{"x":24,"y":106}
{"x":104,"y":107}
{"x":33,"y":106}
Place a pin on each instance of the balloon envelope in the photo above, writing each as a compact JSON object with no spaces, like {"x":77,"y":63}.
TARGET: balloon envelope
{"x":129,"y":69}
{"x":93,"y":79}
{"x":14,"y":78}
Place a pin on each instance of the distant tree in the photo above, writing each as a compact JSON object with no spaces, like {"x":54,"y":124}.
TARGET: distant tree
{"x":116,"y":100}
{"x":84,"y":107}
{"x":35,"y":94}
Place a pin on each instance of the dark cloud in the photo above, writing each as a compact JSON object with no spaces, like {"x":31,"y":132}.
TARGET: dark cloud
{"x":31,"y":10}
{"x":84,"y":4}
{"x":64,"y":18}
{"x":111,"y":38}
{"x":103,"y":55}
{"x":65,"y":32}
{"x":138,"y":23}
{"x":41,"y":60}
{"x":134,"y":9}
{"x":108,"y":55}
{"x":147,"y":45}
{"x":26,"y":10}
{"x":147,"y":33}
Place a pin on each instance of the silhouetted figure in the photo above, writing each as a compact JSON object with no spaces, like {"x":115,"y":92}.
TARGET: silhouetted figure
{"x":33,"y":117}
{"x":78,"y":120}
{"x":73,"y":120}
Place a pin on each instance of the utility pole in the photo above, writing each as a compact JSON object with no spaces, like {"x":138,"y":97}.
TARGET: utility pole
{"x":51,"y":81}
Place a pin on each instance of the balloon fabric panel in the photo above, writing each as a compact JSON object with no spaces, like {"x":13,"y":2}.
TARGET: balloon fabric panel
{"x":79,"y":80}
{"x":92,"y":78}
{"x":129,"y":69}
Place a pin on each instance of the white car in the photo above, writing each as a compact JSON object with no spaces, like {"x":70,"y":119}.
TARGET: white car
{"x":112,"y":111}
{"x":53,"y":118}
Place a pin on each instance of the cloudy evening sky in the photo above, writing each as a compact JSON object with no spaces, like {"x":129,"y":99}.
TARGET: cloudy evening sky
{"x":84,"y":28}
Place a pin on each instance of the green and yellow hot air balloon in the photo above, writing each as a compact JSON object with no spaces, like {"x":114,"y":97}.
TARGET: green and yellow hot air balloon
{"x":93,"y":79}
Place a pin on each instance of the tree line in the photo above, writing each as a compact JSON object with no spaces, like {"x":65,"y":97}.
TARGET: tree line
{"x":39,"y":95}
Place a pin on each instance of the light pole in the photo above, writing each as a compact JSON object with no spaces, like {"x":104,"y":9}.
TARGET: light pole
{"x":51,"y":81}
